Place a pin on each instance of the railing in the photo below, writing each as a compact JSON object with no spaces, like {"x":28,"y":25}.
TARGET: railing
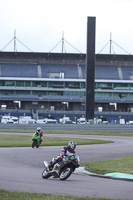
{"x":69,"y":127}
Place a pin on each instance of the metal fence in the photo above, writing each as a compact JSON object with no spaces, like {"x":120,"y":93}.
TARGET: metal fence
{"x":69,"y":127}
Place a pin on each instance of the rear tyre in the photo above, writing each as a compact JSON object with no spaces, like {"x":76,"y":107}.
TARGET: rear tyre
{"x":45,"y":174}
{"x":66,"y":173}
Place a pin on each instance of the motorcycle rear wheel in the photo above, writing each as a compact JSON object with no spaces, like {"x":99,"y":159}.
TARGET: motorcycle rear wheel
{"x":45,"y":174}
{"x":66,"y":173}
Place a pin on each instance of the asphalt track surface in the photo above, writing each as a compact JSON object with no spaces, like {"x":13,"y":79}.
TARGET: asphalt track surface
{"x":21,"y":169}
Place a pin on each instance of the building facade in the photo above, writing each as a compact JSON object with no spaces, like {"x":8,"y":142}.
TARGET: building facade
{"x":57,"y":81}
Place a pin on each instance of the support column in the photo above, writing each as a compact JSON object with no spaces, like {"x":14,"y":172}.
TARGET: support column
{"x":90,"y":68}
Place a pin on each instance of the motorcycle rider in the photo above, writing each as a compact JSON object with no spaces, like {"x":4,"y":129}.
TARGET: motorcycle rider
{"x":39,"y":132}
{"x":67,"y":150}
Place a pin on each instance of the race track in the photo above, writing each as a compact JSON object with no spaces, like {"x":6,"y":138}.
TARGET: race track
{"x":21,"y":168}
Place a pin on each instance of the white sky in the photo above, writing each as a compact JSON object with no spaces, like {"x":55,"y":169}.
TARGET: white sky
{"x":40,"y":24}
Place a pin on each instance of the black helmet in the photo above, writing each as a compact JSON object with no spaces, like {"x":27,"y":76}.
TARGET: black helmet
{"x":72,"y":145}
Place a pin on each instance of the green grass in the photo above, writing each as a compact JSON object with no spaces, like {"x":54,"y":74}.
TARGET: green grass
{"x":108,"y":133}
{"x":4,"y":195}
{"x":123,"y":165}
{"x":26,"y":141}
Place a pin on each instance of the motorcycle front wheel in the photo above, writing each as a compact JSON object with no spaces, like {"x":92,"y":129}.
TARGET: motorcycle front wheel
{"x":66,"y":173}
{"x":33,"y":143}
{"x":45,"y":174}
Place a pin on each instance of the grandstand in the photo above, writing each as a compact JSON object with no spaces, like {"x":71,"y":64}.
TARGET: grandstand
{"x":46,"y":83}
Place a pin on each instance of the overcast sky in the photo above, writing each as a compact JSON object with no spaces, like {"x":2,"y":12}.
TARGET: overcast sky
{"x":40,"y":25}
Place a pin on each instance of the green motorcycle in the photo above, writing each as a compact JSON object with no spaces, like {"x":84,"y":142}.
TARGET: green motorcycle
{"x":35,"y":140}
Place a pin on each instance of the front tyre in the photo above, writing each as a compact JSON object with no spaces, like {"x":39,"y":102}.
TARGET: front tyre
{"x":66,"y":173}
{"x":45,"y":174}
{"x":33,"y":143}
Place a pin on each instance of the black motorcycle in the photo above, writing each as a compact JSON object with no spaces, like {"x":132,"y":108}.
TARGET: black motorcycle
{"x":62,"y":169}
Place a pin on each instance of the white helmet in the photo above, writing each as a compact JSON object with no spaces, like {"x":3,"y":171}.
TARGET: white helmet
{"x":39,"y":129}
{"x":72,"y":145}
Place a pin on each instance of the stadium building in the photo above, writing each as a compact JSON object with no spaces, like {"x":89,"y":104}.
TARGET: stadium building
{"x":53,"y":84}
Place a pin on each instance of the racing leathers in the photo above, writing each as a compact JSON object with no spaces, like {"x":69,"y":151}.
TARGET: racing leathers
{"x":65,"y":151}
{"x":40,"y":133}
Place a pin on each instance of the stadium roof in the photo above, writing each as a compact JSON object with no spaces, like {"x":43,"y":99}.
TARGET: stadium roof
{"x":60,"y":56}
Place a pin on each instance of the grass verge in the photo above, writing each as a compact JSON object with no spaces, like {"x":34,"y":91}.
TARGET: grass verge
{"x":123,"y":165}
{"x":4,"y":195}
{"x":26,"y":141}
{"x":107,"y":133}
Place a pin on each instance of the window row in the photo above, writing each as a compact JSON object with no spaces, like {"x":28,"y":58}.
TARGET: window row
{"x":40,"y":93}
{"x":61,"y":84}
{"x":47,"y":84}
{"x":111,"y":94}
{"x":114,"y":86}
{"x":80,"y":94}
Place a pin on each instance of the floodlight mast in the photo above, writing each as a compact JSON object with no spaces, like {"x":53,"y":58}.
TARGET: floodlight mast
{"x":63,"y":42}
{"x":110,"y":42}
{"x":90,"y":68}
{"x":14,"y":40}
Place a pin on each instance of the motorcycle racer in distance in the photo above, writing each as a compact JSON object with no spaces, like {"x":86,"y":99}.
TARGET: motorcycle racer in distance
{"x":39,"y":132}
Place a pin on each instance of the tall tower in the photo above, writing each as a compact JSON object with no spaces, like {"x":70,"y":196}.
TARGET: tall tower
{"x":90,"y":68}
